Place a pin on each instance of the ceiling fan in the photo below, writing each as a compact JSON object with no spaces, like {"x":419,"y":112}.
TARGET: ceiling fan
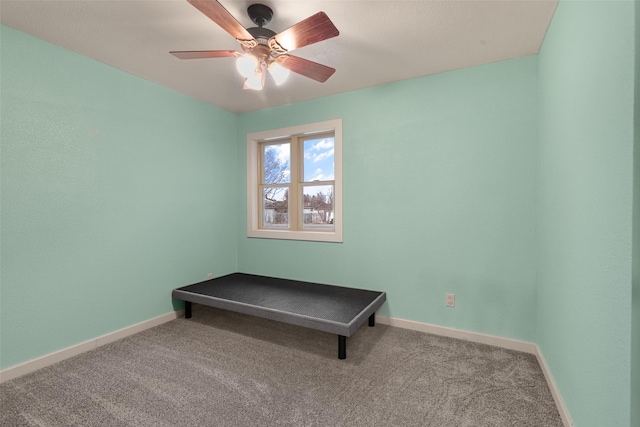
{"x":262,"y":48}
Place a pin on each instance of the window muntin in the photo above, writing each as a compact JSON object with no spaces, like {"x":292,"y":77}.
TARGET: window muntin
{"x":294,"y":183}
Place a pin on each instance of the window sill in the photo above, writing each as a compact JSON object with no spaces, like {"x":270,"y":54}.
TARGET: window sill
{"x":314,"y":236}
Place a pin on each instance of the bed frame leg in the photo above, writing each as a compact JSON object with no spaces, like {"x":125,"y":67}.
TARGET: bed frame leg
{"x":187,"y":310}
{"x":372,"y":320}
{"x":342,"y":347}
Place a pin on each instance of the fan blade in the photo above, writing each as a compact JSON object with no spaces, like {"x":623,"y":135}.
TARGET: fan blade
{"x":313,"y":70}
{"x":312,"y":30}
{"x":200,"y":54}
{"x":218,"y":14}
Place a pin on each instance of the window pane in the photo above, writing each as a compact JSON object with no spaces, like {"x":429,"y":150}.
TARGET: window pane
{"x":318,"y":206}
{"x":275,"y":207}
{"x":276,"y":163}
{"x":318,"y":159}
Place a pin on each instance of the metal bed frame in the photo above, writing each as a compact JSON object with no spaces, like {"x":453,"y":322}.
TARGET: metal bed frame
{"x":334,"y":309}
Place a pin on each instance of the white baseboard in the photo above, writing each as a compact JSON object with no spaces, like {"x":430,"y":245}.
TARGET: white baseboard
{"x":562,"y":409}
{"x":508,"y":343}
{"x":60,"y":355}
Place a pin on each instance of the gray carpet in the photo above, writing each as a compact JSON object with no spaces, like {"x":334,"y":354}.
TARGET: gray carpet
{"x":226,"y":369}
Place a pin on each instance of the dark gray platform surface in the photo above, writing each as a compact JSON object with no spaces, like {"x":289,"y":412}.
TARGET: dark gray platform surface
{"x":328,"y":308}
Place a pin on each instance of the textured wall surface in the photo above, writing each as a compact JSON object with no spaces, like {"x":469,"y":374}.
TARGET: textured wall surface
{"x":635,"y":323}
{"x":585,"y":196}
{"x":439,"y":191}
{"x":114,"y":192}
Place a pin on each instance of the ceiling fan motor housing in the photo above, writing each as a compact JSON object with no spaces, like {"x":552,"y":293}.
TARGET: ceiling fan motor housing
{"x":262,"y":36}
{"x":260,"y":15}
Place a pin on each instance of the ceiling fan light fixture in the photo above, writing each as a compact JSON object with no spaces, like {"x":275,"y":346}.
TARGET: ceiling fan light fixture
{"x":247,"y":65}
{"x":254,"y":82}
{"x":263,"y":47}
{"x":278,"y":72}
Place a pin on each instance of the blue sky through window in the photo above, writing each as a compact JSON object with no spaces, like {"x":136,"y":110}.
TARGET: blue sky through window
{"x":318,"y":160}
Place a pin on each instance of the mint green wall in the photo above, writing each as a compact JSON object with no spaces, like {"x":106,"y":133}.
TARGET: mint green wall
{"x":439,"y":192}
{"x":635,"y":323}
{"x":584,"y":205}
{"x":114,"y":192}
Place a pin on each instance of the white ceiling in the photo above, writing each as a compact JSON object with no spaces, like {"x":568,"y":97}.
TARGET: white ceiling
{"x":379,"y":41}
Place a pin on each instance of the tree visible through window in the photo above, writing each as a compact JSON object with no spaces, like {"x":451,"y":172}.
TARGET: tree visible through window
{"x":298,"y":182}
{"x":276,"y":175}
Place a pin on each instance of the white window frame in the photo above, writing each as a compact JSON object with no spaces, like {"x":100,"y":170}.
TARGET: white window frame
{"x":253,"y":181}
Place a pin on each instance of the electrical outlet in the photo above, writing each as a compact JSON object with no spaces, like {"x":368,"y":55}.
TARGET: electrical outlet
{"x":209,"y":276}
{"x":451,"y":300}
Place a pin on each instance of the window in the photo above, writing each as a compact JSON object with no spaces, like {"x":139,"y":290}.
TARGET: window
{"x":294,"y":183}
